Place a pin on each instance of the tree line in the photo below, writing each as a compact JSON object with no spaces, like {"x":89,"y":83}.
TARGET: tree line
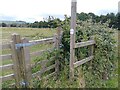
{"x":112,"y":19}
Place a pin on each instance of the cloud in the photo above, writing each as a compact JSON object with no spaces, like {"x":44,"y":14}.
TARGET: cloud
{"x":35,"y":10}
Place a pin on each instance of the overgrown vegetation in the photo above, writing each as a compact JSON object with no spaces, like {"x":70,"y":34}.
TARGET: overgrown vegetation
{"x":103,"y":68}
{"x":101,"y":72}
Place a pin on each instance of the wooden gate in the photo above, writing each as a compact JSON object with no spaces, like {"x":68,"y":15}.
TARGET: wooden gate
{"x":74,"y":45}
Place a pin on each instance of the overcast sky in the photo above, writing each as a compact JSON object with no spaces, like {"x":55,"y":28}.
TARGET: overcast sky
{"x":36,"y":10}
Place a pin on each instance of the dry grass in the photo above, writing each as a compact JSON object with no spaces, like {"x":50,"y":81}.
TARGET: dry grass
{"x":25,"y":32}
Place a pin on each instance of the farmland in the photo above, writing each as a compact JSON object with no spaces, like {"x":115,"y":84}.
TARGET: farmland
{"x":26,"y":32}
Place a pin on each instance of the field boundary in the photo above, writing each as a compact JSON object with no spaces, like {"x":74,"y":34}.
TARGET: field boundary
{"x":21,"y":58}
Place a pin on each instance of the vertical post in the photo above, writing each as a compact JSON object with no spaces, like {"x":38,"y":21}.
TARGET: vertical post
{"x":57,"y":43}
{"x":91,"y":52}
{"x":15,"y":55}
{"x":21,"y":61}
{"x":56,"y":59}
{"x":26,"y":65}
{"x":91,"y":47}
{"x":72,"y":37}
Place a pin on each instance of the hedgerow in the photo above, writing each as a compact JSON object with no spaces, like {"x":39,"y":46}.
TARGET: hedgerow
{"x":101,"y":68}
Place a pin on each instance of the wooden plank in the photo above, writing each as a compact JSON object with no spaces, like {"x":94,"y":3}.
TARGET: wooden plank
{"x":57,"y":42}
{"x":56,"y":61}
{"x":7,"y":77}
{"x":16,"y":54}
{"x":42,"y":41}
{"x":83,"y":44}
{"x":7,"y":67}
{"x":26,"y":64}
{"x":6,"y":46}
{"x":43,"y":70}
{"x":59,"y":39}
{"x":49,"y":75}
{"x":78,"y":63}
{"x":6,"y":57}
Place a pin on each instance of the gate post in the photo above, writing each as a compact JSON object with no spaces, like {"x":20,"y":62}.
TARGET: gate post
{"x":72,"y":37}
{"x":16,"y":55}
{"x":21,"y":61}
{"x":26,"y":64}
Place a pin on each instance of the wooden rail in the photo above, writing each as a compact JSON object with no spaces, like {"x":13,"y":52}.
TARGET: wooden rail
{"x":51,"y":74}
{"x":42,"y":41}
{"x":7,"y":67}
{"x":42,"y":62}
{"x":83,"y":44}
{"x":6,"y":46}
{"x":78,"y":63}
{"x":6,"y":57}
{"x":7,"y":77}
{"x":43,"y":70}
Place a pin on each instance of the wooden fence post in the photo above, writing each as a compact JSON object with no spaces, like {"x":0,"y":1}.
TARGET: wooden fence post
{"x":91,"y":47}
{"x":26,"y":65}
{"x":57,"y":40}
{"x":92,"y":50}
{"x":16,"y":55}
{"x":21,"y":61}
{"x":72,"y":37}
{"x":56,"y":59}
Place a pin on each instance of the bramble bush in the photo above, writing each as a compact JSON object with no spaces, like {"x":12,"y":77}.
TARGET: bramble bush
{"x":104,"y":63}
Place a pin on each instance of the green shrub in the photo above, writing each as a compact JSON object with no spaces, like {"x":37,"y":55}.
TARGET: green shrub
{"x":103,"y":65}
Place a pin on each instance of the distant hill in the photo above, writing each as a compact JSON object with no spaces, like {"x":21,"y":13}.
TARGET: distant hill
{"x":14,"y":23}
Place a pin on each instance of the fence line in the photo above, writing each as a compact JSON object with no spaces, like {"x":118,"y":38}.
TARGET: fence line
{"x":21,"y":57}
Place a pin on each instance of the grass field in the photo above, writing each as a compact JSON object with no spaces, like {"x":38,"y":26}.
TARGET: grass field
{"x":31,"y":33}
{"x":36,"y":33}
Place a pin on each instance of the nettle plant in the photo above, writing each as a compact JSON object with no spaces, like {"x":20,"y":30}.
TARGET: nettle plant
{"x":104,"y":56}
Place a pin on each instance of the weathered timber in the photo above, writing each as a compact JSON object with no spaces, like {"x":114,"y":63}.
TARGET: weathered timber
{"x":80,"y":62}
{"x":83,"y":44}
